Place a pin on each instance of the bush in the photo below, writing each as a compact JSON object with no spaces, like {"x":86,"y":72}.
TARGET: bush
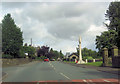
{"x":88,"y":57}
{"x":7,"y":56}
{"x":21,"y":54}
{"x":40,"y":58}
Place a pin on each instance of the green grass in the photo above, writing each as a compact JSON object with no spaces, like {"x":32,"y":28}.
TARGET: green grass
{"x":95,"y":63}
{"x":92,"y":63}
{"x":69,"y":61}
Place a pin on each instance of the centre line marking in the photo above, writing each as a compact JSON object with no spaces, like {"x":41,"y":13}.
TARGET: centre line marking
{"x":64,"y":76}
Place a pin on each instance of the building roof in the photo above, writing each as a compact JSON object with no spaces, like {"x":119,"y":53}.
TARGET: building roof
{"x":73,"y":54}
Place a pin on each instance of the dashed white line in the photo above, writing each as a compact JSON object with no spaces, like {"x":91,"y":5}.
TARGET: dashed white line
{"x":52,"y":65}
{"x":54,"y":68}
{"x":64,"y":76}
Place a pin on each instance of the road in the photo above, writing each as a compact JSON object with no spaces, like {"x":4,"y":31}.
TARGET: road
{"x":44,"y":71}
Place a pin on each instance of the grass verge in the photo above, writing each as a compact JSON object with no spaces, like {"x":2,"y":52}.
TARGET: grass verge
{"x":69,"y":61}
{"x":95,"y":63}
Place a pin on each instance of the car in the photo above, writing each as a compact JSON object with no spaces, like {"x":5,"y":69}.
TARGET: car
{"x":46,"y":60}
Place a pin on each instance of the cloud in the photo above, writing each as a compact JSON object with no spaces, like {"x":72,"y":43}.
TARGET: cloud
{"x":57,"y":0}
{"x":59,"y":25}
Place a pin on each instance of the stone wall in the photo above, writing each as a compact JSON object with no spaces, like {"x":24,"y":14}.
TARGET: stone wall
{"x":13,"y":62}
{"x":115,"y":57}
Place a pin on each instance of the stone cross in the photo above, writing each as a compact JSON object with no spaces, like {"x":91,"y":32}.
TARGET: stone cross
{"x":80,"y":54}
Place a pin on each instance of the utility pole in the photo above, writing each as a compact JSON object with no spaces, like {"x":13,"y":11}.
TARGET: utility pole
{"x":31,"y":41}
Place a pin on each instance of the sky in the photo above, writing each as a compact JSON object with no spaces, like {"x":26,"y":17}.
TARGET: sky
{"x":58,"y":24}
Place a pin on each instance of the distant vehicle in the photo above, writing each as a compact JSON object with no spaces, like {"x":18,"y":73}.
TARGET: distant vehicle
{"x":52,"y":60}
{"x":59,"y":59}
{"x":46,"y":60}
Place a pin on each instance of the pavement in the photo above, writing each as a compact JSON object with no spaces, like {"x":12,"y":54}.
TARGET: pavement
{"x":56,"y":71}
{"x":107,"y":69}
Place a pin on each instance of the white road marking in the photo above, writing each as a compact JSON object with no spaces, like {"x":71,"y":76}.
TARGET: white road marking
{"x":106,"y":81}
{"x":52,"y":66}
{"x":64,"y":76}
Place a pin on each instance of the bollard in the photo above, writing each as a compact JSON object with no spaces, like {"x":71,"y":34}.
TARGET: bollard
{"x":86,"y":60}
{"x":93,"y":60}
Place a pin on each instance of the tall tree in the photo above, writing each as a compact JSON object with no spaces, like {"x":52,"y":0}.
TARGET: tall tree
{"x":113,"y":15}
{"x":12,"y":39}
{"x":43,"y":51}
{"x":106,"y":39}
{"x":61,"y":54}
{"x":87,"y":52}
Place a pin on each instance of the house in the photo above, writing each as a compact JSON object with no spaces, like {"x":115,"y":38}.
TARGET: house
{"x":73,"y":56}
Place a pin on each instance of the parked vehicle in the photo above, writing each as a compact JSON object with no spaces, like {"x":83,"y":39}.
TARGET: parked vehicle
{"x":46,"y":60}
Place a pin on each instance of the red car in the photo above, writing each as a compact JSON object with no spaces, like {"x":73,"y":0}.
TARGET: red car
{"x":46,"y":60}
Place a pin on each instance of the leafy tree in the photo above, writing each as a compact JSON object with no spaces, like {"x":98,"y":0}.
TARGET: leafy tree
{"x":12,"y":39}
{"x":30,"y":50}
{"x":43,"y":51}
{"x":88,"y":53}
{"x":61,"y":54}
{"x":51,"y":54}
{"x":0,"y":37}
{"x":106,"y":39}
{"x":113,"y":15}
{"x":25,"y":44}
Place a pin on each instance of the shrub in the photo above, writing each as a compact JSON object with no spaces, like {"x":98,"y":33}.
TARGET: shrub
{"x":21,"y":54}
{"x":7,"y":56}
{"x":88,"y":57}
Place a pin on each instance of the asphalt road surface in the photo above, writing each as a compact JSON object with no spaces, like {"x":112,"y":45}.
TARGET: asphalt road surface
{"x":51,"y":71}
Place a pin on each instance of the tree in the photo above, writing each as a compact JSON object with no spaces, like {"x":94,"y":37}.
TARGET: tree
{"x":12,"y":39}
{"x":30,"y":50}
{"x":106,"y":39}
{"x":61,"y":54}
{"x":87,"y":53}
{"x":25,"y":44}
{"x":43,"y":51}
{"x":113,"y":15}
{"x":0,"y":37}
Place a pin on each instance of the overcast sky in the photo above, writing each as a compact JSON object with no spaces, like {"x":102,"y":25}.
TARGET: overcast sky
{"x":59,"y":25}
